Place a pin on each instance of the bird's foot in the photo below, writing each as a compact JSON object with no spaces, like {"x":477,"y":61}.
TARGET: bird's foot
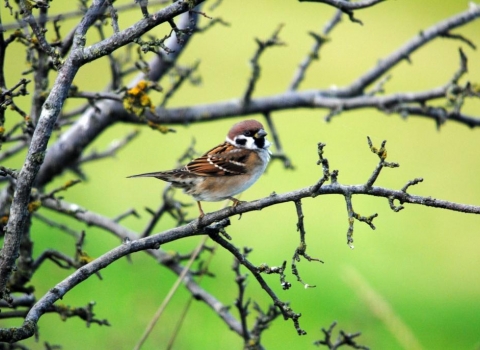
{"x":202,"y":214}
{"x":236,"y":202}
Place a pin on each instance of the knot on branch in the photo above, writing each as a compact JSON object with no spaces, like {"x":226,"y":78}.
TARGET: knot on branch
{"x":280,"y":270}
{"x":404,"y":190}
{"x":218,"y":228}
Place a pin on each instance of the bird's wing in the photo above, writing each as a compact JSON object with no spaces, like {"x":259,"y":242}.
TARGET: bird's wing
{"x":223,"y":160}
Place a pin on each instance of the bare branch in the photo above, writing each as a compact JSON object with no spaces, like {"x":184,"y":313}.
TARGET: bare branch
{"x":95,"y":120}
{"x":404,"y":52}
{"x":348,"y":7}
{"x":262,"y":46}
{"x":53,"y":104}
{"x":111,"y":151}
{"x":301,"y":250}
{"x":343,"y":339}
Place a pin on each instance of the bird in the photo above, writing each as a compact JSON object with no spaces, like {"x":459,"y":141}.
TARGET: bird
{"x":224,"y":171}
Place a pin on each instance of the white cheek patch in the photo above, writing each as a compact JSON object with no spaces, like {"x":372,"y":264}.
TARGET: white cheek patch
{"x":249,"y":142}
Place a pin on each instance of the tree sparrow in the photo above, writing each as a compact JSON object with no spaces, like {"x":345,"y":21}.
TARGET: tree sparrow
{"x":225,"y":170}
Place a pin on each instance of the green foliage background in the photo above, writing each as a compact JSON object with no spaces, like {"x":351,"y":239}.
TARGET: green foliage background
{"x":423,"y":262}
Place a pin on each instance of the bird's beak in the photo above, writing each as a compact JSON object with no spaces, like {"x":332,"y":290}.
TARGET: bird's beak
{"x":260,"y":133}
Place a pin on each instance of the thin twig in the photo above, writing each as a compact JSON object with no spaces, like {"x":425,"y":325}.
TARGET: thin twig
{"x":170,"y":294}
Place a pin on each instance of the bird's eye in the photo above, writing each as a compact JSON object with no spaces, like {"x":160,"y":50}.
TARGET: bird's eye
{"x":248,"y":133}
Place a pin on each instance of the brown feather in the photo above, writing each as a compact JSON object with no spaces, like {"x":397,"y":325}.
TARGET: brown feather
{"x":223,"y":160}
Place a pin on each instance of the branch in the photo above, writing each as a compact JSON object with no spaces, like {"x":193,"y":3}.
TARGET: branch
{"x":126,"y":235}
{"x":79,"y":136}
{"x":36,"y":153}
{"x":70,"y":146}
{"x":26,"y":7}
{"x":304,"y":99}
{"x":286,"y":311}
{"x":196,"y":227}
{"x":135,"y":31}
{"x":404,"y":52}
{"x":348,"y":7}
{"x":320,"y":40}
{"x":342,"y":339}
{"x":262,"y":46}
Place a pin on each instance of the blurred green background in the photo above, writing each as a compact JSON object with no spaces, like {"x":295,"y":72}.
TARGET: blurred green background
{"x":423,"y":263}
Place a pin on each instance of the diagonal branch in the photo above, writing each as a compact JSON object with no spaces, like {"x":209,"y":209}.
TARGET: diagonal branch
{"x":404,"y":52}
{"x":92,"y":123}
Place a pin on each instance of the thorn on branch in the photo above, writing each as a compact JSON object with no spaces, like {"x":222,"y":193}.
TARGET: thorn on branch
{"x":126,"y":214}
{"x":348,"y":7}
{"x":460,"y":37}
{"x":342,"y":339}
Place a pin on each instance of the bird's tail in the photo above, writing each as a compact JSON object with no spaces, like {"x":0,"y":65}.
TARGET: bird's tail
{"x":158,"y":175}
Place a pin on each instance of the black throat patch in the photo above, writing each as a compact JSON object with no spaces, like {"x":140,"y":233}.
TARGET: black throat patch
{"x":260,"y":142}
